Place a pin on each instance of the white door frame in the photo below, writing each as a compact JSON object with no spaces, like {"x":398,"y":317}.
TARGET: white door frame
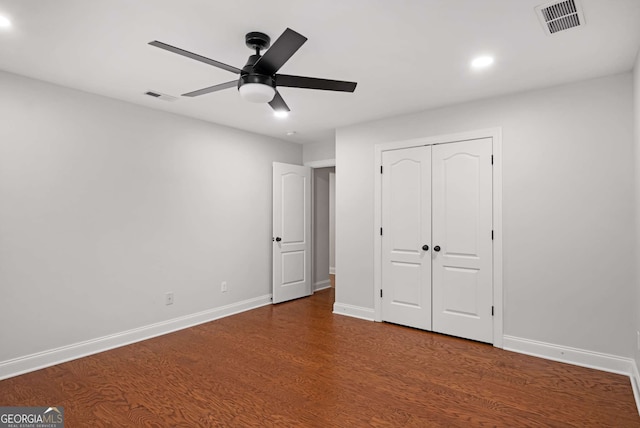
{"x":496,"y":135}
{"x":325,"y":163}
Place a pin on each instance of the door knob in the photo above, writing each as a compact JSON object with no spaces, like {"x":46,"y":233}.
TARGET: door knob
{"x":278,"y":239}
{"x":425,"y":248}
{"x":436,"y":248}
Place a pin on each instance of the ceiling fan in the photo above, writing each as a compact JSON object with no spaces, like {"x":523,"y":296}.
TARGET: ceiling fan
{"x":259,"y":80}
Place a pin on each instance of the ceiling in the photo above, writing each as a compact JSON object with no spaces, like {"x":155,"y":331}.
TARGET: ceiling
{"x":406,"y":55}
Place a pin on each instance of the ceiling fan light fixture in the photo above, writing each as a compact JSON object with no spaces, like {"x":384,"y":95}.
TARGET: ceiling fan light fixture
{"x":259,"y":77}
{"x":257,"y":92}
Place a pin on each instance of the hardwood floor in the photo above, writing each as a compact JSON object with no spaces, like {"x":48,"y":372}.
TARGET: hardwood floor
{"x":298,"y":365}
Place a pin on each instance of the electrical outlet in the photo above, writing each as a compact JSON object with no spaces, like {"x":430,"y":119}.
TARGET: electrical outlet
{"x":168,"y":298}
{"x":223,"y":286}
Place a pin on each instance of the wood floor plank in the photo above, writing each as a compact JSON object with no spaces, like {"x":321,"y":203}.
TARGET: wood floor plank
{"x":297,"y":364}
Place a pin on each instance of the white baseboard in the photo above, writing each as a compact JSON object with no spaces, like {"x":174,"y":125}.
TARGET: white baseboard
{"x":353,"y":311}
{"x":63,"y":354}
{"x":332,"y":270}
{"x":579,"y":357}
{"x":635,"y":384}
{"x":321,"y":285}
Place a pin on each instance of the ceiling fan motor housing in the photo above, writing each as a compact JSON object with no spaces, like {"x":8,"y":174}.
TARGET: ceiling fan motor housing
{"x":256,"y":87}
{"x":249,"y":76}
{"x":256,"y":78}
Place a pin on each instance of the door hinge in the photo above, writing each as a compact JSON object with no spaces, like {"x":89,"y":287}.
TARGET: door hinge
{"x":380,"y":231}
{"x":491,"y":310}
{"x":491,"y":159}
{"x":492,"y":235}
{"x":380,"y":169}
{"x":381,"y":293}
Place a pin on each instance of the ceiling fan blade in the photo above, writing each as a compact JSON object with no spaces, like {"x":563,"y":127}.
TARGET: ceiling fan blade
{"x":278,"y":104}
{"x":210,"y":89}
{"x":314,"y":83}
{"x":280,"y":52}
{"x":195,"y":56}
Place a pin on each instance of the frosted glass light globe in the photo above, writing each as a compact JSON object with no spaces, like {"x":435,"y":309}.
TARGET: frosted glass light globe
{"x":257,"y":92}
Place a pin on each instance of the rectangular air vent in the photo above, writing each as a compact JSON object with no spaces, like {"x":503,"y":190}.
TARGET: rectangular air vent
{"x":160,"y":96}
{"x":560,"y":15}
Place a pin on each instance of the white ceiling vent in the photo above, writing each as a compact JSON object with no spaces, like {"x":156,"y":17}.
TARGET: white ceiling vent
{"x":160,"y":96}
{"x":560,"y":15}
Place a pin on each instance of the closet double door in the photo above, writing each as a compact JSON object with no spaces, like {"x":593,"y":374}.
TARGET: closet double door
{"x":437,"y":238}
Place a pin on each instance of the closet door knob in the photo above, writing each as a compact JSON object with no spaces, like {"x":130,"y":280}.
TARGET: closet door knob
{"x":425,"y":248}
{"x":278,"y":239}
{"x":436,"y":248}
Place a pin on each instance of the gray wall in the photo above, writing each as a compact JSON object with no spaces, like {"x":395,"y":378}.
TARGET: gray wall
{"x":105,"y":206}
{"x":319,"y":151}
{"x":568,"y":183}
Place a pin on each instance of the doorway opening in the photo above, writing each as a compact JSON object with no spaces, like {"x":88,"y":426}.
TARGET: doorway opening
{"x":323,"y":228}
{"x":303,"y":229}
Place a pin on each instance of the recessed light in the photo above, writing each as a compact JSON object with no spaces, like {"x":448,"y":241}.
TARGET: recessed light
{"x":482,"y":62}
{"x":281,"y":114}
{"x":4,"y":22}
{"x":290,"y":133}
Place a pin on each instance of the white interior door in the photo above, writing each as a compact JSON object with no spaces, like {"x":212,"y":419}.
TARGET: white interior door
{"x":462,"y":229}
{"x":406,"y":228}
{"x":291,"y":232}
